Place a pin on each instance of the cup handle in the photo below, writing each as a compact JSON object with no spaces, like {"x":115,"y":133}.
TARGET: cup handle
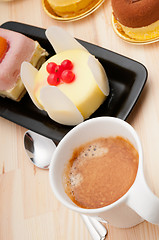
{"x":143,"y":201}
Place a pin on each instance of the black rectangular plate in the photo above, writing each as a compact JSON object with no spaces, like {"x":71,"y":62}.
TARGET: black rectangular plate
{"x":126,"y":78}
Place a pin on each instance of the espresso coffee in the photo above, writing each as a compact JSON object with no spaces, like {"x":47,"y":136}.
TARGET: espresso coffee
{"x":100,"y":172}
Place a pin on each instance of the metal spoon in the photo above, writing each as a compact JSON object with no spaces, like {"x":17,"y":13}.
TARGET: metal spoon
{"x":40,"y":150}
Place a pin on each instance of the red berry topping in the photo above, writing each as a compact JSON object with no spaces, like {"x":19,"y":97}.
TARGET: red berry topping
{"x":67,"y":76}
{"x":67,"y":64}
{"x":58,"y":70}
{"x":51,"y":67}
{"x":53,"y":79}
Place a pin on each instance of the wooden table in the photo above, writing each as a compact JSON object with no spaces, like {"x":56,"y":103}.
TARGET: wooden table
{"x":28,"y":208}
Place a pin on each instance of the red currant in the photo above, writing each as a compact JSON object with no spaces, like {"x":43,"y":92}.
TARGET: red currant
{"x":67,"y":64}
{"x":53,"y":79}
{"x":67,"y":76}
{"x":58,"y":70}
{"x":51,"y":67}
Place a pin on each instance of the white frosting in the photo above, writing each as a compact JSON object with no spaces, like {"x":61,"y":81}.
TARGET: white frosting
{"x":59,"y":106}
{"x":99,"y":74}
{"x":61,"y":40}
{"x":28,"y":74}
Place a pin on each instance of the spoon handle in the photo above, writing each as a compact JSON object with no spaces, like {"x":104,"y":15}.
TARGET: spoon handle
{"x":95,"y":228}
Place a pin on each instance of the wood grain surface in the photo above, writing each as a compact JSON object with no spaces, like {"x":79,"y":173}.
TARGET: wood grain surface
{"x":28,"y":208}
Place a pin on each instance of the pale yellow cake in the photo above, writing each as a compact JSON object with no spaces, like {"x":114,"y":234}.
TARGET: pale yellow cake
{"x":66,"y":8}
{"x":84,"y":92}
{"x":143,"y":33}
{"x":71,"y":85}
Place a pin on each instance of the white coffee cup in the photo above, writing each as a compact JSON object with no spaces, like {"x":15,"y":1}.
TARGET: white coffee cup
{"x":137,"y":205}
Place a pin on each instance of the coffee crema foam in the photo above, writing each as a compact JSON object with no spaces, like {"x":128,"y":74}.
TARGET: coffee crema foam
{"x":100,"y":172}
